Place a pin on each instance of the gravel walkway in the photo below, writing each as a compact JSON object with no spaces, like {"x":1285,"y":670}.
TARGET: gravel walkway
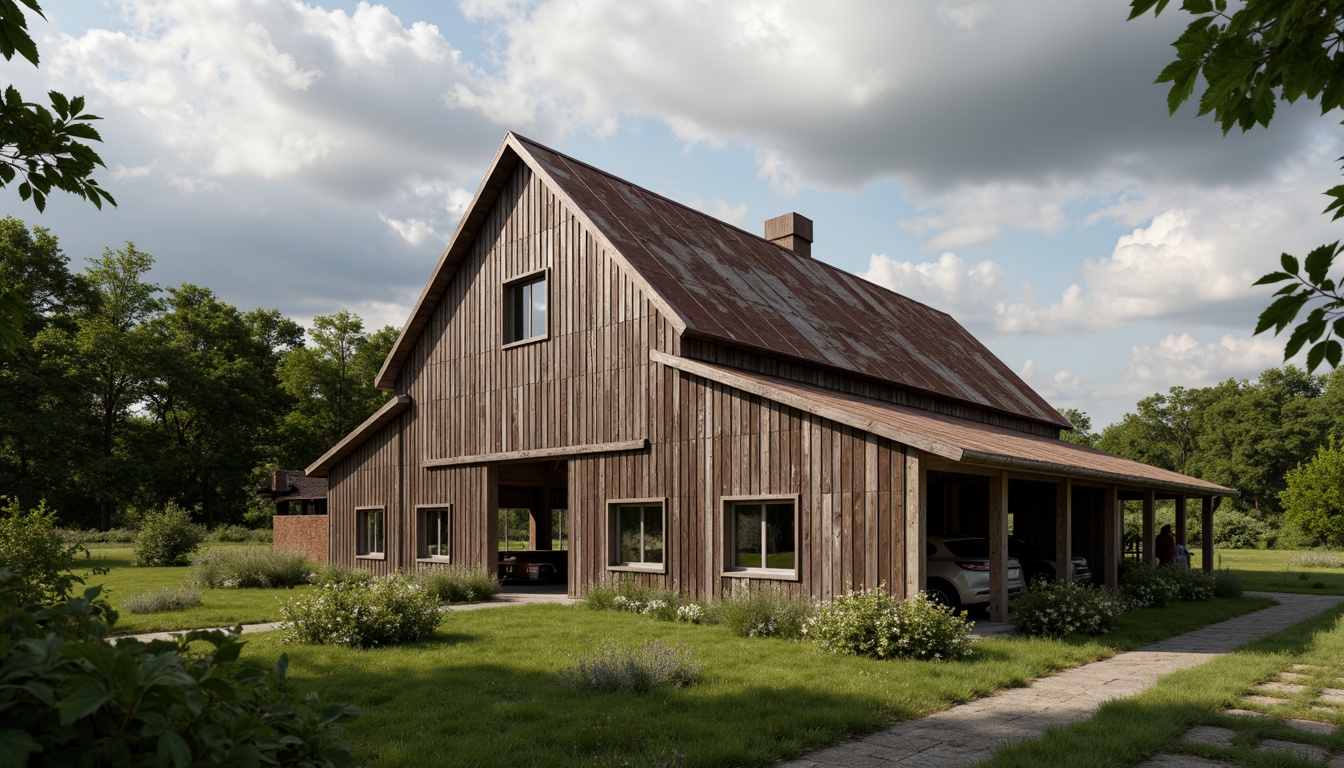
{"x":970,"y":733}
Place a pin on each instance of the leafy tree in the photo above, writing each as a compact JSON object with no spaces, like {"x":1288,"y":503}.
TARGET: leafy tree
{"x":112,"y":348}
{"x":45,"y":425}
{"x":331,"y":383}
{"x":1313,"y":498}
{"x":1249,"y":59}
{"x":213,"y":395}
{"x":1082,"y":433}
{"x":1163,"y":433}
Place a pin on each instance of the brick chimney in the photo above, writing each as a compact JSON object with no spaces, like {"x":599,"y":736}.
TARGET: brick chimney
{"x":793,"y":231}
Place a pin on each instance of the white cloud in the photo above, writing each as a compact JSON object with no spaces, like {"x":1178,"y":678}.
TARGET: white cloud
{"x":721,"y":210}
{"x":968,"y":291}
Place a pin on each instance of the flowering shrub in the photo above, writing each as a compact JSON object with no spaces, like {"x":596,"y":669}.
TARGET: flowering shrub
{"x":612,"y":668}
{"x":460,"y":583}
{"x":632,"y":598}
{"x":166,"y":599}
{"x":1147,"y":586}
{"x":692,"y":613}
{"x":1052,"y":609}
{"x":250,"y":568}
{"x":1191,"y":584}
{"x":872,"y":623}
{"x":381,"y":611}
{"x":763,"y":613}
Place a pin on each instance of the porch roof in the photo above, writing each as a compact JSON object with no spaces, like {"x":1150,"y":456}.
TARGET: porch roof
{"x":961,"y":440}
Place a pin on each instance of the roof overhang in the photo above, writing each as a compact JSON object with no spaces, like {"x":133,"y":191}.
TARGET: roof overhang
{"x":380,"y":418}
{"x":959,"y":440}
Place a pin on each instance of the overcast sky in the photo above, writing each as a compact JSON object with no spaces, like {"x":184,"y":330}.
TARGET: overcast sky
{"x":1010,"y":163}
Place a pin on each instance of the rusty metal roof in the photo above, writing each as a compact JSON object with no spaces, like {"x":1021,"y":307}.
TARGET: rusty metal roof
{"x":962,"y":440}
{"x":718,"y":282}
{"x":293,"y":484}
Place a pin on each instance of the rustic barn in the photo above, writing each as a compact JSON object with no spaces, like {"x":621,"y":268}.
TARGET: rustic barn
{"x":665,"y":397}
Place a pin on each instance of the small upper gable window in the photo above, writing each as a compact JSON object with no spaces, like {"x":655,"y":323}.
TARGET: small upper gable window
{"x":525,"y":309}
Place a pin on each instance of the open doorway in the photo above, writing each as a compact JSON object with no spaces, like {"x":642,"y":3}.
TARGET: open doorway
{"x":532,"y":526}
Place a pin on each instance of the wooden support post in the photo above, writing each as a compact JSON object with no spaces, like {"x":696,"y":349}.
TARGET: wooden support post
{"x":1180,"y":522}
{"x":1112,"y":528}
{"x":1064,"y":531}
{"x":1148,"y":546}
{"x":998,"y":547}
{"x":916,"y":523}
{"x":1208,"y":534}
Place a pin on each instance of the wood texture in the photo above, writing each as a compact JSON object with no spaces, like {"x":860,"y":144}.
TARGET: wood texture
{"x":998,"y":548}
{"x":1148,"y":546}
{"x":1112,"y":528}
{"x":538,"y":453}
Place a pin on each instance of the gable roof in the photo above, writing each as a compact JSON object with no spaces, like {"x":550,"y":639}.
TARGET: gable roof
{"x":293,"y":484}
{"x":379,"y":419}
{"x":969,"y":442}
{"x":717,"y":282}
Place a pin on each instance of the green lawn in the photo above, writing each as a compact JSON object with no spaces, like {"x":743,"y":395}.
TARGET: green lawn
{"x":219,"y":607}
{"x":1126,"y":731}
{"x":1268,"y":570}
{"x":484,"y":690}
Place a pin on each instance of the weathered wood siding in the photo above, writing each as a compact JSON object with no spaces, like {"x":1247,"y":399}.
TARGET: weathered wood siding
{"x":713,"y":441}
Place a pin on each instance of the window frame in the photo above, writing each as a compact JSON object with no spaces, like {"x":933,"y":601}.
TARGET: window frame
{"x":728,"y":534}
{"x":507,"y":303}
{"x":361,"y":533}
{"x":422,"y":529}
{"x":614,"y":562}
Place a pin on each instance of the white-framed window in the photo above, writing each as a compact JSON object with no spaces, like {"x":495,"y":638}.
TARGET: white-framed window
{"x":761,"y":536}
{"x":635,"y":529}
{"x":525,"y":308}
{"x":370,"y":535}
{"x":434,"y":532}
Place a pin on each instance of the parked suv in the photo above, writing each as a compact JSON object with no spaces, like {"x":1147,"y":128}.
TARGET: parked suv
{"x":958,"y":573}
{"x":1037,"y":562}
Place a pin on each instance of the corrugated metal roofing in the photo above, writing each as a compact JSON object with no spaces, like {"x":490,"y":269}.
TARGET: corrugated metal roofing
{"x":961,"y":440}
{"x":719,"y":282}
{"x":738,"y":288}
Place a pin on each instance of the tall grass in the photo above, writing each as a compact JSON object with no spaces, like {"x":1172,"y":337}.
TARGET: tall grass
{"x":459,"y":583}
{"x":250,"y":568}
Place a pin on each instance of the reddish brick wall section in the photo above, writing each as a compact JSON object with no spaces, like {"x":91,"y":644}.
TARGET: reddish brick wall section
{"x":305,"y":533}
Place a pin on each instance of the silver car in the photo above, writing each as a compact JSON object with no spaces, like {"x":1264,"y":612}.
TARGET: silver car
{"x":958,"y":571}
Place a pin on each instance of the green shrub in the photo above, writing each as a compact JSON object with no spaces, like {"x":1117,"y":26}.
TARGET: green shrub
{"x":72,"y":698}
{"x":1145,"y":585}
{"x":30,"y":545}
{"x":250,"y":568}
{"x":612,"y":668}
{"x":1191,"y":583}
{"x":873,"y":623}
{"x":460,"y":583}
{"x":1227,"y":583}
{"x":167,"y":537}
{"x":230,"y":534}
{"x":386,"y":610}
{"x":762,"y":613}
{"x":1238,"y":530}
{"x":335,"y":573}
{"x":164,"y":600}
{"x":1053,"y":609}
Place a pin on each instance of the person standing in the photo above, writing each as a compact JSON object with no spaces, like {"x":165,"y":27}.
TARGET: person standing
{"x":1166,"y":546}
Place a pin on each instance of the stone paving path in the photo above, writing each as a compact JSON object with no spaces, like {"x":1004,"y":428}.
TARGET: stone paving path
{"x":970,"y":733}
{"x":506,"y":598}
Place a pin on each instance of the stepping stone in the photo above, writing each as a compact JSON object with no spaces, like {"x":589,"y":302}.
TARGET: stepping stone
{"x":1293,"y":676}
{"x":1306,"y":667}
{"x":1180,"y":761}
{"x":1244,"y":713}
{"x":1325,"y":710}
{"x":1336,"y":762}
{"x":1268,"y":701}
{"x":1333,"y":695}
{"x":1307,"y":751}
{"x":1310,"y":726}
{"x":1288,"y":688}
{"x":1210,"y":735}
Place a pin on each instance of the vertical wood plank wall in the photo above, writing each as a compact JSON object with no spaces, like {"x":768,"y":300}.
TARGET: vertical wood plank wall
{"x":591,"y":382}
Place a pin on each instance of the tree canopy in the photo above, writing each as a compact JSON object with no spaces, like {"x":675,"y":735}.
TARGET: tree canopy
{"x":1313,"y":496}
